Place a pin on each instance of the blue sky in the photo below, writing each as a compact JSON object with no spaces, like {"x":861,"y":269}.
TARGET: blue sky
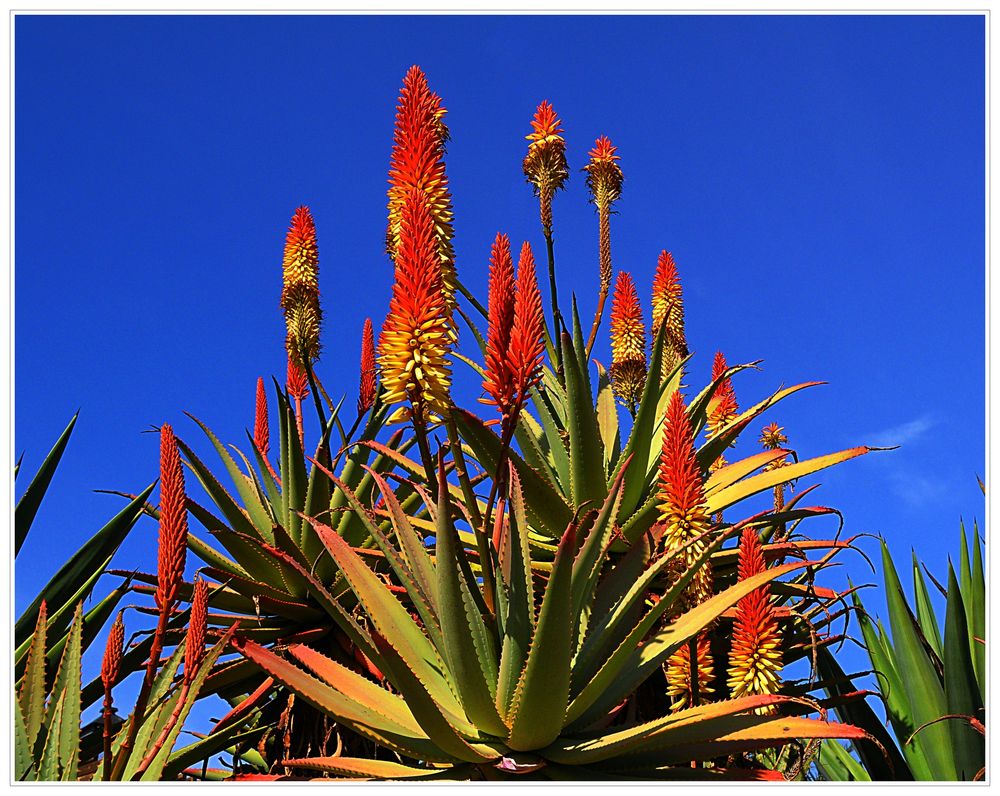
{"x":820,"y":181}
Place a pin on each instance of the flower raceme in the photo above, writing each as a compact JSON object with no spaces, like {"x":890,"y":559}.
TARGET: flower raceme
{"x":296,"y":381}
{"x":628,"y":343}
{"x":417,"y":163}
{"x":173,"y":523}
{"x":668,"y":307}
{"x":604,"y":179}
{"x":261,"y":430}
{"x":755,"y":657}
{"x":300,"y":290}
{"x":545,"y":164}
{"x":682,"y":498}
{"x":514,"y":343}
{"x":194,"y":644}
{"x":499,"y":376}
{"x":682,"y":511}
{"x":722,"y":408}
{"x":368,"y":386}
{"x":113,"y":650}
{"x":415,"y":340}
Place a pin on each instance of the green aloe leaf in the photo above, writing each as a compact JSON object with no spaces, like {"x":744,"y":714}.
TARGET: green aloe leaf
{"x":31,"y":696}
{"x":469,"y":651}
{"x":961,"y":688}
{"x":925,"y":611}
{"x":927,"y":695}
{"x":67,"y":690}
{"x":547,"y":509}
{"x":585,"y":452}
{"x":31,"y":498}
{"x":539,"y":703}
{"x":882,"y":760}
{"x":836,"y":764}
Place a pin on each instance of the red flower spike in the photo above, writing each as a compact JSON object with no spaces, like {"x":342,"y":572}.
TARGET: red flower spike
{"x":296,"y":381}
{"x":418,"y":163}
{"x":722,"y":408}
{"x":261,"y":431}
{"x":668,"y":306}
{"x":628,"y":342}
{"x":112,"y":660}
{"x":194,"y":644}
{"x":415,"y":339}
{"x":300,"y":291}
{"x":527,"y":337}
{"x":755,"y":657}
{"x":682,"y":496}
{"x":368,"y":386}
{"x":173,"y":522}
{"x":499,"y":381}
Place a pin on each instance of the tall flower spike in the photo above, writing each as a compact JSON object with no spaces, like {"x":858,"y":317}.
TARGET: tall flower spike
{"x":112,"y":661}
{"x":300,"y":291}
{"x":628,"y":343}
{"x":668,"y":307}
{"x":545,"y":164}
{"x":755,"y":658}
{"x":682,"y":499}
{"x":261,"y":430}
{"x":417,"y":163}
{"x":527,"y":337}
{"x":499,"y":377}
{"x":722,"y":408}
{"x":682,"y":511}
{"x":194,"y":644}
{"x":368,"y":386}
{"x":173,"y":522}
{"x":604,"y":180}
{"x":296,"y":381}
{"x":414,"y":344}
{"x":678,"y":671}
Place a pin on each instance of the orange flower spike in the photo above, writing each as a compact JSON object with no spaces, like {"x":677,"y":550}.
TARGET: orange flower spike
{"x":296,"y":381}
{"x":668,"y":306}
{"x":113,"y":650}
{"x":545,"y":164}
{"x":682,"y":497}
{"x":261,"y":430}
{"x":415,"y":339}
{"x":722,"y":408}
{"x":604,"y":179}
{"x":628,"y":343}
{"x":194,"y":644}
{"x":300,"y":291}
{"x":678,"y":671}
{"x":527,"y":337}
{"x":173,"y":523}
{"x":368,"y":386}
{"x":755,"y":658}
{"x":499,"y":379}
{"x":418,"y":163}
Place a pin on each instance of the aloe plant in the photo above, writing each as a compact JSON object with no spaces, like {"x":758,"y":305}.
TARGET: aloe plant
{"x":932,"y":684}
{"x":538,"y":690}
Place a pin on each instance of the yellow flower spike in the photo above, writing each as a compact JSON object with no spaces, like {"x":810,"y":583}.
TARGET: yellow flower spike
{"x":668,"y":307}
{"x":628,"y":343}
{"x":300,"y":291}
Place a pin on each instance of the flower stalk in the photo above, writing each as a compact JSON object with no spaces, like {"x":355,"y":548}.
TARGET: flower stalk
{"x":604,"y":180}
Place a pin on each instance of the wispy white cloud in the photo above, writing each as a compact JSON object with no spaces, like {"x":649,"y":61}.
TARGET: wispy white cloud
{"x":902,"y":434}
{"x":915,"y":490}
